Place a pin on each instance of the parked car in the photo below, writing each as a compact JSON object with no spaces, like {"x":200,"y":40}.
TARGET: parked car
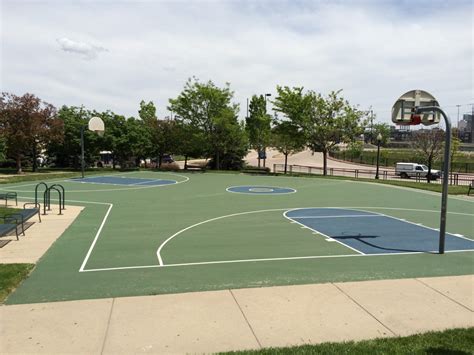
{"x":167,"y":159}
{"x":407,"y":170}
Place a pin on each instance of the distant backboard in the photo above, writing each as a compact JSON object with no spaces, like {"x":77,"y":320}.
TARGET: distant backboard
{"x":97,"y":125}
{"x":403,"y":111}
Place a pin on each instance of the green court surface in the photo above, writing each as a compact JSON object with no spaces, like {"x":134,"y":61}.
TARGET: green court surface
{"x":143,"y":238}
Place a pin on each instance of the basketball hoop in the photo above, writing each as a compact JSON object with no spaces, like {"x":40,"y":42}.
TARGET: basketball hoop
{"x":405,"y":108}
{"x":415,"y":119}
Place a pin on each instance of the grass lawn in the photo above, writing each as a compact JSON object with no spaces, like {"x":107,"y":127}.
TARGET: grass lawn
{"x":11,"y":275}
{"x":452,"y":341}
{"x":452,"y":190}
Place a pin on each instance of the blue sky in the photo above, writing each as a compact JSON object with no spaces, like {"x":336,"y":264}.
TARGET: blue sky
{"x":112,"y":54}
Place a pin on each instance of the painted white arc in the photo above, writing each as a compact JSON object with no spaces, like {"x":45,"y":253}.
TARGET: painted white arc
{"x":158,"y":252}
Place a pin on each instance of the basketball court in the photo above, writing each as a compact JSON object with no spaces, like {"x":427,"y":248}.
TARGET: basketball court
{"x":146,"y":233}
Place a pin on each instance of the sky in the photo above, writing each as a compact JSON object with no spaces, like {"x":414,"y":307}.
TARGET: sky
{"x":110,"y":55}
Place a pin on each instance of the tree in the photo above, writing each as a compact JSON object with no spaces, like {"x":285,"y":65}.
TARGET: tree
{"x":258,"y":125}
{"x":325,"y":121}
{"x":455,"y":144}
{"x":383,"y":129}
{"x":147,"y":111}
{"x":428,"y":144}
{"x":163,"y":138}
{"x":209,"y":110}
{"x":27,"y":123}
{"x":67,"y":152}
{"x":287,"y":139}
{"x":191,"y":142}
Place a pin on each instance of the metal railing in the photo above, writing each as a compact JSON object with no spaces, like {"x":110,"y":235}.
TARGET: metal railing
{"x":455,"y":179}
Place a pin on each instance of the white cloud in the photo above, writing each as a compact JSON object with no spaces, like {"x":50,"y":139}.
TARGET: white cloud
{"x":374,"y":50}
{"x":85,"y":50}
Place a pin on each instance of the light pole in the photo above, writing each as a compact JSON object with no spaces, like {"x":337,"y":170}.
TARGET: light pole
{"x":379,"y":140}
{"x":96,"y":125}
{"x":264,"y":148}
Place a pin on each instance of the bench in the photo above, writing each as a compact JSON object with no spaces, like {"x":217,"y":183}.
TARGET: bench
{"x":196,"y":167}
{"x":9,"y":224}
{"x":22,"y":216}
{"x":263,"y":171}
{"x":26,"y":213}
{"x":471,"y":187}
{"x":9,"y":196}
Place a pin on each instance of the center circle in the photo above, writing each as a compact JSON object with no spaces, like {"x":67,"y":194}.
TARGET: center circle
{"x":261,"y":190}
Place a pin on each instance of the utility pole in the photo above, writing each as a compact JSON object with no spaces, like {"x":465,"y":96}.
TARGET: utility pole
{"x":457,"y":126}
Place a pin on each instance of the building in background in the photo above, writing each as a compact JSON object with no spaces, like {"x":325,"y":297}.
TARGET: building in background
{"x":466,"y":128}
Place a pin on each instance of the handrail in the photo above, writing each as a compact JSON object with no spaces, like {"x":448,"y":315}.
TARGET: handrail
{"x":63,"y":201}
{"x":36,"y":190}
{"x":59,"y":192}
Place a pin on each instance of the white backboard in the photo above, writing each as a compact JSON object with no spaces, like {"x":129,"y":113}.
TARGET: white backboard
{"x":97,"y":125}
{"x":403,"y":109}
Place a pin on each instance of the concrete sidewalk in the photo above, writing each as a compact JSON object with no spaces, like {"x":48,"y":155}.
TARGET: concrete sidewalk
{"x":205,"y":322}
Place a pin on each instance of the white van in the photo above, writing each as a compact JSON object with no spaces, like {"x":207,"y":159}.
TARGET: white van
{"x":407,"y":170}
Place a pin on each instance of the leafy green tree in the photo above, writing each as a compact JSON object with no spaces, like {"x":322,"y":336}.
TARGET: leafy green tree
{"x":384,"y":130}
{"x":147,"y":111}
{"x":191,"y":142}
{"x":325,"y":121}
{"x":27,"y":123}
{"x":3,"y":148}
{"x":455,"y":144}
{"x":164,"y":135}
{"x":67,"y":152}
{"x":258,"y":125}
{"x":209,"y":110}
{"x":287,"y":139}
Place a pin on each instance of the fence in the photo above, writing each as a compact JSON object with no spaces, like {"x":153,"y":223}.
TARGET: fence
{"x":456,"y":179}
{"x":371,"y":159}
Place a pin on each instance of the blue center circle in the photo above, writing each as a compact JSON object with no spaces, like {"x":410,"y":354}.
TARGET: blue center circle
{"x":261,"y":190}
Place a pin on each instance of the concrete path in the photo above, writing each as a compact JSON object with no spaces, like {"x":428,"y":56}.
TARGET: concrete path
{"x":206,"y":322}
{"x":39,"y":237}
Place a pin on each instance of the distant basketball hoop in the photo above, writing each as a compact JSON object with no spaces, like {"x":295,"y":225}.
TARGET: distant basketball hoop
{"x":96,"y":125}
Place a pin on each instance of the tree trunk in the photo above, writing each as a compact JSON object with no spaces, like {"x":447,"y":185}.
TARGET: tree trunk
{"x":218,"y":161}
{"x":325,"y":162}
{"x":286,"y":161}
{"x":160,"y":158}
{"x":258,"y":159}
{"x":18,"y":165}
{"x":185,"y":162}
{"x":35,"y":163}
{"x":428,"y":177}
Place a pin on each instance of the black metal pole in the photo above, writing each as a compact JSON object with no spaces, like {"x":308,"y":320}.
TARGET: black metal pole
{"x":82,"y":152}
{"x":446,"y":164}
{"x":378,"y":159}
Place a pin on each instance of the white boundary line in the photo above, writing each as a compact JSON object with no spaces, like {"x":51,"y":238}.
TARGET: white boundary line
{"x":161,"y":246}
{"x":109,"y":190}
{"x":342,"y":216}
{"x":95,"y":238}
{"x":269,"y":259}
{"x":262,"y":193}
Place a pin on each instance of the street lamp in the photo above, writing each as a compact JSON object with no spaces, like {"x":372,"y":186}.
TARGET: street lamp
{"x":379,"y":140}
{"x":96,"y":125}
{"x":264,"y":149}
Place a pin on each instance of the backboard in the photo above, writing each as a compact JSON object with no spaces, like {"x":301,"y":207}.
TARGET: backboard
{"x":97,"y":125}
{"x":403,"y":111}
